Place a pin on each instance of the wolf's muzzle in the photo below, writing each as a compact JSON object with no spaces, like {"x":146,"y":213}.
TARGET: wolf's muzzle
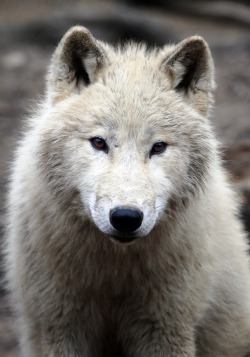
{"x":126,"y":220}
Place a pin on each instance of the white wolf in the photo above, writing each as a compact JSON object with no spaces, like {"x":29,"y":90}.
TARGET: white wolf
{"x":123,"y":236}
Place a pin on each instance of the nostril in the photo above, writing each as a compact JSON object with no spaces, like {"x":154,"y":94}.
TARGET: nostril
{"x":126,"y":220}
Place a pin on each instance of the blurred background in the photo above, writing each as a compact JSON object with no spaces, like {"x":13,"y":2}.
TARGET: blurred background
{"x":30,"y":30}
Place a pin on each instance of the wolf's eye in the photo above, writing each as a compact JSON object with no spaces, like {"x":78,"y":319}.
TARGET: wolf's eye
{"x":99,"y":143}
{"x":158,"y":148}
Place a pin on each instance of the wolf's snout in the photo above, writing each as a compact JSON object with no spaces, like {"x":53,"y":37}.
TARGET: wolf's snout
{"x":126,"y":220}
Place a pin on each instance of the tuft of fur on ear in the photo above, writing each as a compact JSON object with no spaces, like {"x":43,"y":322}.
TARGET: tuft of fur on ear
{"x":75,"y":63}
{"x":190,"y":70}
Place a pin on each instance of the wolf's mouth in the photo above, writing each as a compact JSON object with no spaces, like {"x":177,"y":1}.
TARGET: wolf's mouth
{"x":124,"y":239}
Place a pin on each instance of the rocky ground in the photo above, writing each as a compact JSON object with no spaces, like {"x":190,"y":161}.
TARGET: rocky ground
{"x":29,"y":30}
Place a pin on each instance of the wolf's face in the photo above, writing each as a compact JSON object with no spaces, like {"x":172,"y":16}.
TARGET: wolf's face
{"x":130,"y":144}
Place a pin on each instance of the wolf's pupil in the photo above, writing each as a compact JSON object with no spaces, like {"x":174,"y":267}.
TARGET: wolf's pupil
{"x":99,"y":143}
{"x":158,"y":147}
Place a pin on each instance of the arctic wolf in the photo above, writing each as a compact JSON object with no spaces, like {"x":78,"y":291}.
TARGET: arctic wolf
{"x":123,"y":237}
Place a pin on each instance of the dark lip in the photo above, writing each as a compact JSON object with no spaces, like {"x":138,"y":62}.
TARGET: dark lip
{"x":124,"y":239}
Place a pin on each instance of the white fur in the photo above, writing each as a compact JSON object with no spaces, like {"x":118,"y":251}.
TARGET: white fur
{"x":182,"y":287}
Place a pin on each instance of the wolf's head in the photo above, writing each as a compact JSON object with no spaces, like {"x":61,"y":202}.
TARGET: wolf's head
{"x":126,"y":136}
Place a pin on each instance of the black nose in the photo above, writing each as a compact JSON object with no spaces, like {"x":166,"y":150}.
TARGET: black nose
{"x":126,"y":220}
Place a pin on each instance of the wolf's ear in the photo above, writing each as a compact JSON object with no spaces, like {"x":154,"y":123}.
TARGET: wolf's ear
{"x":75,"y":63}
{"x":190,"y":70}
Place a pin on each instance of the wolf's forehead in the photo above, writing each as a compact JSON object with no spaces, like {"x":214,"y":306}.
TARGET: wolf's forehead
{"x":132,"y":103}
{"x":133,"y":64}
{"x":129,"y":121}
{"x":132,"y":94}
{"x":135,"y":90}
{"x":132,"y":75}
